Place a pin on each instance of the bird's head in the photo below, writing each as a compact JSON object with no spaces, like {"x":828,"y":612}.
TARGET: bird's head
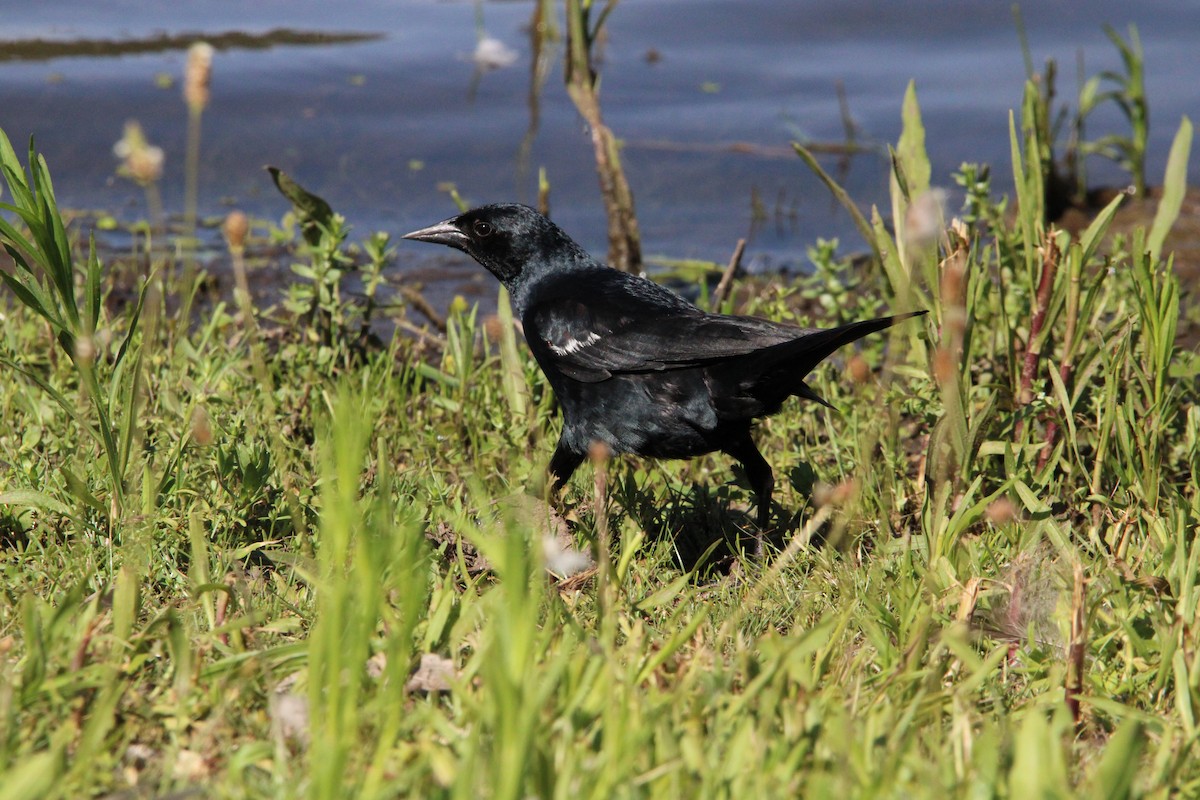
{"x":514,"y":242}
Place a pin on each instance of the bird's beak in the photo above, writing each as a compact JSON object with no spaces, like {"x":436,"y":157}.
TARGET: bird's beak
{"x":445,"y":232}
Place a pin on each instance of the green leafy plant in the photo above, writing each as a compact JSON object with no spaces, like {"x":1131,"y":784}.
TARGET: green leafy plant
{"x":1128,"y":92}
{"x":49,"y":284}
{"x":1065,"y":181}
{"x":319,"y":301}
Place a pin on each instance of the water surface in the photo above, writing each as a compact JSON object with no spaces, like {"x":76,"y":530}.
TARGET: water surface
{"x":377,"y":126}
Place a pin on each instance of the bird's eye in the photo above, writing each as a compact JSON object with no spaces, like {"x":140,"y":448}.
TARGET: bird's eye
{"x":482,"y":229}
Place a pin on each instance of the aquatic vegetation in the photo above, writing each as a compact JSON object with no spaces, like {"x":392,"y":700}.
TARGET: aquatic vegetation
{"x":1065,"y":180}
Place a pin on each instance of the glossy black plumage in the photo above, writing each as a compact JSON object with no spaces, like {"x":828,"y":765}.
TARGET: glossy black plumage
{"x":633,"y":365}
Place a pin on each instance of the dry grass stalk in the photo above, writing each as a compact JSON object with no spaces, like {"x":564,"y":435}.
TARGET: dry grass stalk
{"x":599,"y":453}
{"x":1077,"y":648}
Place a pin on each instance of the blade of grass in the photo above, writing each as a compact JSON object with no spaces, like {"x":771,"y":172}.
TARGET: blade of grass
{"x":1174,"y":189}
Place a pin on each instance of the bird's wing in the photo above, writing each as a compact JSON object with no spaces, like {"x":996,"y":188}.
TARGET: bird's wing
{"x":592,"y":326}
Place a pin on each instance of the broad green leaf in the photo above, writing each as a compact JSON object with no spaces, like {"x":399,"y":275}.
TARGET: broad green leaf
{"x":81,"y":491}
{"x":1174,"y":188}
{"x":312,"y":212}
{"x":32,"y":777}
{"x":910,"y":149}
{"x":1121,"y":762}
{"x":1094,"y":234}
{"x":125,"y":603}
{"x":1033,"y":504}
{"x":36,"y":499}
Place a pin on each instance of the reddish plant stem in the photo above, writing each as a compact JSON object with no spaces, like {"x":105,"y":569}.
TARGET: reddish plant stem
{"x":1033,"y":347}
{"x":1067,"y":369}
{"x":1065,"y":372}
{"x":1076,"y":650}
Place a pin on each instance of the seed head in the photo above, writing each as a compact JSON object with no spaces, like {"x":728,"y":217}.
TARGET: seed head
{"x":198,"y":76}
{"x":859,"y":369}
{"x":236,"y":226}
{"x":599,"y":452}
{"x":1001,"y":511}
{"x":923,"y":221}
{"x":141,"y":161}
{"x":201,"y":427}
{"x":493,"y":327}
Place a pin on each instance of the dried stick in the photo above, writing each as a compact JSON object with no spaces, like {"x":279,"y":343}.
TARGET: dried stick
{"x":726,"y":282}
{"x":599,"y":453}
{"x":624,"y":239}
{"x":417,"y":300}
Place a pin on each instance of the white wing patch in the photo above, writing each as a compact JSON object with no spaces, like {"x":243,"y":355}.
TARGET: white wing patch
{"x":574,"y":345}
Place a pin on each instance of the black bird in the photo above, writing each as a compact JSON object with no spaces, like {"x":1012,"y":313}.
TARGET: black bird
{"x":634,"y":366}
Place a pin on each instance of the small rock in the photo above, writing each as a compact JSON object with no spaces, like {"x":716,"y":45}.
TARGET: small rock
{"x":289,"y":712}
{"x":376,"y":665}
{"x":433,"y":674}
{"x":191,"y":766}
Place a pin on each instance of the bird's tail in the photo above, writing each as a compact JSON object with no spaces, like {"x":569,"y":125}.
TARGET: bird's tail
{"x":800,"y":356}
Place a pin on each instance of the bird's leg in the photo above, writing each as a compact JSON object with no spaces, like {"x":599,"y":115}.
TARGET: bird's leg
{"x":563,"y":464}
{"x":762,"y":481}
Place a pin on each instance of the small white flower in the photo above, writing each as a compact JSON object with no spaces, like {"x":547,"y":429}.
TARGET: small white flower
{"x":563,"y":561}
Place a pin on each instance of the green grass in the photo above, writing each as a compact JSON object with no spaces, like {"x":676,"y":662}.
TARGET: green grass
{"x":223,"y":554}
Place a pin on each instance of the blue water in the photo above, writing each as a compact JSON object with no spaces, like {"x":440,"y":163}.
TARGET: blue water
{"x":376,"y":127}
